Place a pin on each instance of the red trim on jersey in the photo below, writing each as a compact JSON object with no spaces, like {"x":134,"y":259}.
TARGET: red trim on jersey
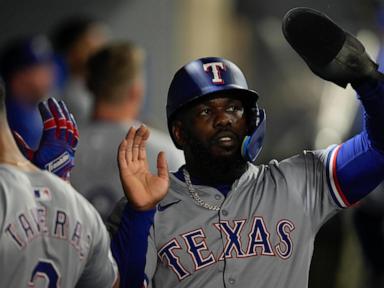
{"x":336,"y":180}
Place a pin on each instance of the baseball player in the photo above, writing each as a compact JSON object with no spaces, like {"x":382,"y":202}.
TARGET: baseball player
{"x":26,"y":67}
{"x":50,"y":236}
{"x":222,"y":221}
{"x":116,"y":82}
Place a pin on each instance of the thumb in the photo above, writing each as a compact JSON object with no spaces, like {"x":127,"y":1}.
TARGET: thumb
{"x":23,"y":146}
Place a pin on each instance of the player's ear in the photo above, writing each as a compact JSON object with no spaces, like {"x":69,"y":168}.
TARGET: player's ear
{"x":177,"y":132}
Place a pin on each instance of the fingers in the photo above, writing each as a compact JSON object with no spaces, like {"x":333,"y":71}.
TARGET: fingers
{"x":72,"y":133}
{"x":132,"y":148}
{"x":135,"y":147}
{"x":128,"y":148}
{"x":121,"y":155}
{"x":76,"y":134}
{"x":142,"y":150}
{"x":58,"y":115}
{"x":48,"y":120}
{"x":59,"y":122}
{"x":162,"y":166}
{"x":69,"y":132}
{"x":138,"y":148}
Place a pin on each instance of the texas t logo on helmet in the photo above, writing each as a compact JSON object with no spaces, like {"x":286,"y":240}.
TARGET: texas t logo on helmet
{"x":215,"y":68}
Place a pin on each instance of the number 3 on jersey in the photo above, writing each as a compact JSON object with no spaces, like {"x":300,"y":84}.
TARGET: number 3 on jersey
{"x":45,"y":269}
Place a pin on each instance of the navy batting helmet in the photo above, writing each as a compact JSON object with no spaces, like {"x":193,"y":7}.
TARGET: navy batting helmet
{"x":25,"y":52}
{"x":209,"y":76}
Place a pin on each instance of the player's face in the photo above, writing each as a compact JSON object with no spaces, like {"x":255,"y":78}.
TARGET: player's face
{"x":33,"y":82}
{"x":216,"y":126}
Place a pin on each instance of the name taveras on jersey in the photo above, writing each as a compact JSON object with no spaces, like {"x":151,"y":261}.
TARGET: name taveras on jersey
{"x":34,"y":223}
{"x":257,"y":243}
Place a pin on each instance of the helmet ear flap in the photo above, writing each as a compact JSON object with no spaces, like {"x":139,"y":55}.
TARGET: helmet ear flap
{"x":253,"y":142}
{"x":253,"y":118}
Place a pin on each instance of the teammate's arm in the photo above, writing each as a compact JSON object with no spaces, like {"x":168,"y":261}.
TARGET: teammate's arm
{"x":129,"y":231}
{"x":358,"y":164}
{"x":100,"y":269}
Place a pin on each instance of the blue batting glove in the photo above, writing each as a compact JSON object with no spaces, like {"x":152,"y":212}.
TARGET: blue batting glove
{"x":56,"y":152}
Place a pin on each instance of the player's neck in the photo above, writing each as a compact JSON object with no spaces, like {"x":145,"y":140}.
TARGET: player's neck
{"x":10,"y":153}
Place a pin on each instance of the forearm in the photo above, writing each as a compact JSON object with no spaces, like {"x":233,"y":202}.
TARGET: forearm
{"x":129,"y":245}
{"x":359,"y":162}
{"x":371,"y":95}
{"x":355,"y":169}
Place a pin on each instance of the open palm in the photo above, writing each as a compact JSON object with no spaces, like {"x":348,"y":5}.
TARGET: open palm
{"x":143,"y":189}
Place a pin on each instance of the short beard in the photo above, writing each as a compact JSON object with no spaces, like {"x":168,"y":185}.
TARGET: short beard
{"x":220,"y":170}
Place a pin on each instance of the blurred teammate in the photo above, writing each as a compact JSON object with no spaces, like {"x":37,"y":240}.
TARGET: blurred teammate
{"x":50,"y":236}
{"x":115,"y":78}
{"x":26,"y":67}
{"x":74,"y":41}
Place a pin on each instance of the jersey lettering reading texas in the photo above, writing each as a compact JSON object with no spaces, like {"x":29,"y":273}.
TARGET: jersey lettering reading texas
{"x":257,"y":243}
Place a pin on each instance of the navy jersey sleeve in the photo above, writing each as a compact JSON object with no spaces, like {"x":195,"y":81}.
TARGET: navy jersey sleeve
{"x":129,"y":230}
{"x":356,"y":167}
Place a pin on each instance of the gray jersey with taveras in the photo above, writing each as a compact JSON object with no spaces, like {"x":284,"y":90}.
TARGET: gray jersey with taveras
{"x":50,"y":236}
{"x":262,"y":236}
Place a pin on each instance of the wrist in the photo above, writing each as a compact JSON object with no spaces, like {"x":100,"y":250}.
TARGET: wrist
{"x":140,"y":211}
{"x":367,"y":86}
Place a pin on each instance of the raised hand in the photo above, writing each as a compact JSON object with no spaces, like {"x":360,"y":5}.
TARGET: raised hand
{"x":329,"y":51}
{"x":58,"y":144}
{"x":143,"y":189}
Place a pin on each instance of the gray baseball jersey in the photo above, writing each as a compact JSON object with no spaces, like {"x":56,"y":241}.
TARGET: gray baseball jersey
{"x":50,"y":236}
{"x":262,"y":236}
{"x":96,"y":173}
